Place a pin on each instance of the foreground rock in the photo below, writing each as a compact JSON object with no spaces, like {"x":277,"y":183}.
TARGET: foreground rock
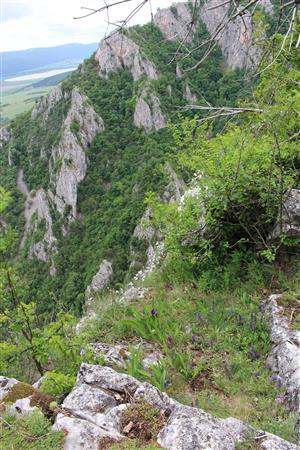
{"x":288,"y":224}
{"x":284,"y":358}
{"x":93,"y":412}
{"x":117,"y":355}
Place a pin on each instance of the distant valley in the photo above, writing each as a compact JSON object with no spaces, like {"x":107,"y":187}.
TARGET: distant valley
{"x":26,"y":75}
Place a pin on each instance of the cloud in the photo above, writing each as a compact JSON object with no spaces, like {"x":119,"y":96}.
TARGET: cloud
{"x":51,"y":22}
{"x":14,"y":10}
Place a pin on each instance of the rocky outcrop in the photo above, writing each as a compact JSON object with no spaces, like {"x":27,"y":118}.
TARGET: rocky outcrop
{"x":116,"y":355}
{"x":148,"y":114}
{"x":100,"y":279}
{"x":68,"y":163}
{"x":45,"y":105}
{"x":284,"y":358}
{"x":119,"y":52}
{"x":37,"y":217}
{"x":67,"y":168}
{"x":6,"y":385}
{"x":288,"y":225}
{"x":235,"y":39}
{"x":176,"y":187}
{"x":4,"y":136}
{"x":190,"y":97}
{"x":93,"y":411}
{"x":99,"y":282}
{"x":175,"y":22}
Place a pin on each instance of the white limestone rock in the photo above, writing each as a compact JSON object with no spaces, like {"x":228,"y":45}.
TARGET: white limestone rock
{"x":176,"y":187}
{"x":84,"y":434}
{"x":284,"y":358}
{"x":190,"y":428}
{"x":45,"y":105}
{"x":101,"y":279}
{"x":116,"y":355}
{"x":67,"y":168}
{"x":271,"y":442}
{"x":148,"y":114}
{"x":37,"y":213}
{"x":175,"y":23}
{"x":119,"y":52}
{"x":236,"y":38}
{"x":4,"y":136}
{"x":69,"y":156}
{"x":88,"y":398}
{"x":89,"y":418}
{"x":106,"y":378}
{"x":6,"y":385}
{"x":22,"y":406}
{"x":190,"y":97}
{"x":289,"y":224}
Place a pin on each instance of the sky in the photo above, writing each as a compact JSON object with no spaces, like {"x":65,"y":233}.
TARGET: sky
{"x":44,"y":23}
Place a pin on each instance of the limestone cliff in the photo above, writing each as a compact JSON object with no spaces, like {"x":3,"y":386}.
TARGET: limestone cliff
{"x":4,"y":136}
{"x":148,"y":114}
{"x":70,"y":155}
{"x":175,"y":23}
{"x":120,"y":52}
{"x":67,"y":168}
{"x":235,"y":38}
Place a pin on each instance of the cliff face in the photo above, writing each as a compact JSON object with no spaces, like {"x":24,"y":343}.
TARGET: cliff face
{"x":176,"y":23}
{"x":147,"y":113}
{"x":67,"y":167}
{"x":69,"y":156}
{"x":179,"y":23}
{"x":119,"y":52}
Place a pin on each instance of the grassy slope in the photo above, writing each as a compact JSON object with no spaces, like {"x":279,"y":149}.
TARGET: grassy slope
{"x":215,"y":343}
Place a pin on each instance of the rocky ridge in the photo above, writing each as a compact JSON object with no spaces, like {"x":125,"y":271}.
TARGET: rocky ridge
{"x":119,"y":52}
{"x":4,"y":136}
{"x":284,"y":358}
{"x":70,"y":155}
{"x":235,"y":39}
{"x":67,"y":168}
{"x":148,"y":114}
{"x":92,"y":413}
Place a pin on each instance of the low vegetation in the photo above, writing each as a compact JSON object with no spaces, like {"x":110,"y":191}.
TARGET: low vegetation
{"x":30,"y":432}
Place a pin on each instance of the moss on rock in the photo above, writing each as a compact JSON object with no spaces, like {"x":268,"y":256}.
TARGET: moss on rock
{"x":18,"y":391}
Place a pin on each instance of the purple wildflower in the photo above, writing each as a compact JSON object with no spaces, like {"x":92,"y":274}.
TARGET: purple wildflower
{"x":154,"y":313}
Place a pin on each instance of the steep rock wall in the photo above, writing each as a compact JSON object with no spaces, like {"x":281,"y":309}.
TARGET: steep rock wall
{"x":148,"y":114}
{"x":37,"y":213}
{"x":175,"y":23}
{"x":119,"y":52}
{"x":4,"y":136}
{"x":235,"y":39}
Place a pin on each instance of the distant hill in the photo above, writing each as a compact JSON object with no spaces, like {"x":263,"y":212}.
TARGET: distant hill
{"x":35,"y":59}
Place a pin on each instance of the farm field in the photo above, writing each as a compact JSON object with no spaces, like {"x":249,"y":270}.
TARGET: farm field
{"x":18,"y":98}
{"x":19,"y":94}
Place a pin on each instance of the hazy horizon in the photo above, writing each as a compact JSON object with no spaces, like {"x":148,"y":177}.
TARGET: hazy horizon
{"x":31,"y":24}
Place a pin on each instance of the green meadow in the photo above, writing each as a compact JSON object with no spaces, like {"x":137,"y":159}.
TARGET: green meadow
{"x":18,"y":97}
